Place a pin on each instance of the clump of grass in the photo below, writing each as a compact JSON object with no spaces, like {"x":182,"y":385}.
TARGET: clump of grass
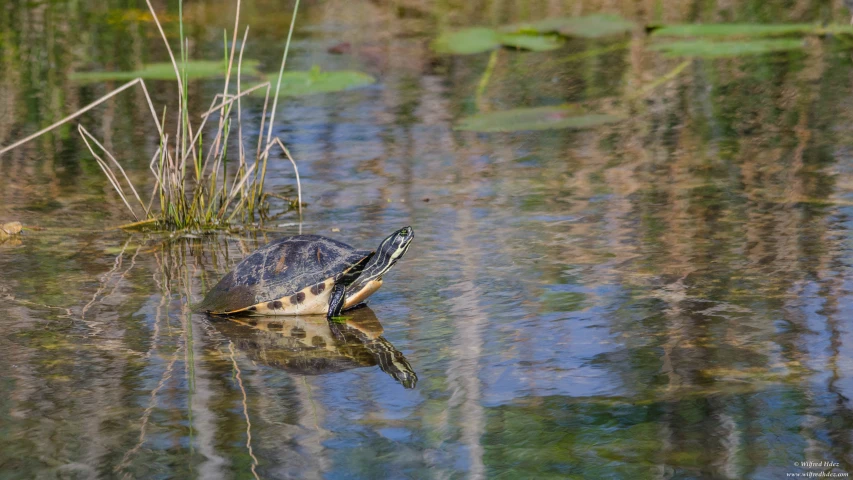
{"x":192,"y":187}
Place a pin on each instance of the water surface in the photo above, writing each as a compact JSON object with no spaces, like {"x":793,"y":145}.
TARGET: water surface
{"x":664,"y":297}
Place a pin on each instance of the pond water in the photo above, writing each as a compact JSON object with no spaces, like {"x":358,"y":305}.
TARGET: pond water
{"x":668,"y":296}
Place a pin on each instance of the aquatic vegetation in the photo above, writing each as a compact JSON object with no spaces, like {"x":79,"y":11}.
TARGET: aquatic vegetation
{"x":195,"y":190}
{"x":712,"y":49}
{"x":738,"y":39}
{"x":586,"y":26}
{"x":536,"y":118}
{"x":194,"y":69}
{"x":726,"y":40}
{"x":539,"y":36}
{"x":467,"y":41}
{"x":534,"y":43}
{"x":481,"y":39}
{"x":313,"y":81}
{"x":748,"y":30}
{"x":293,"y":83}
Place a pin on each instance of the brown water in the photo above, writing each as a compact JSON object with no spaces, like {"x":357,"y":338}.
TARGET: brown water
{"x":664,"y":297}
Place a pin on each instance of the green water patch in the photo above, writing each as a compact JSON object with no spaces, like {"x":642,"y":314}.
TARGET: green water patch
{"x":481,"y":39}
{"x":715,"y":49}
{"x":536,"y":118}
{"x":587,"y":26}
{"x":308,"y":82}
{"x":196,"y":69}
{"x":749,"y":30}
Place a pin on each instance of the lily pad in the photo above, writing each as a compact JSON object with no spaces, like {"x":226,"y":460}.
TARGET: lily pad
{"x":536,"y":43}
{"x":480,"y":39}
{"x":307,"y":82}
{"x":587,"y":26}
{"x":710,"y":49}
{"x":467,"y":41}
{"x":165,"y":71}
{"x":748,"y":30}
{"x":537,"y":118}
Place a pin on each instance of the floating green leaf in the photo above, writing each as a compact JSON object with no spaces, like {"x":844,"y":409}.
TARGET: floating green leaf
{"x":302,"y":82}
{"x":538,"y":118}
{"x":165,"y":71}
{"x":588,"y":26}
{"x":536,"y":43}
{"x":710,"y":49}
{"x":749,"y":30}
{"x":467,"y":41}
{"x":480,"y":39}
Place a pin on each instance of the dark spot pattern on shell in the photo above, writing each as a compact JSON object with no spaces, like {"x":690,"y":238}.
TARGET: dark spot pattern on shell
{"x":297,"y":332}
{"x":275,"y":325}
{"x":298,"y":298}
{"x":318,"y":341}
{"x":305,"y":260}
{"x":318,"y":289}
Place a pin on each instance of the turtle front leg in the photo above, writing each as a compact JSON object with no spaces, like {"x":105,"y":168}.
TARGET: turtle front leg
{"x":336,"y":300}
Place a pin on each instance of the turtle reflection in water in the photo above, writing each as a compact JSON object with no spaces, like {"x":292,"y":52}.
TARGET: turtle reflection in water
{"x":312,"y":345}
{"x":304,"y":275}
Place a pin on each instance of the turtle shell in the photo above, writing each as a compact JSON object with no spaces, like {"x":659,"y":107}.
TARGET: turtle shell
{"x":291,"y":275}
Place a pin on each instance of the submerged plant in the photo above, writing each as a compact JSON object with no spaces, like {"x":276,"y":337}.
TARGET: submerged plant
{"x":192,"y":187}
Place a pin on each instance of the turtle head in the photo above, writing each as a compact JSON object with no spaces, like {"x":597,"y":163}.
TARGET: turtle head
{"x":389,"y":251}
{"x":396,"y":244}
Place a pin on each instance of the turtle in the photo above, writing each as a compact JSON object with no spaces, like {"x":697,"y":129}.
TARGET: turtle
{"x":305,"y":275}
